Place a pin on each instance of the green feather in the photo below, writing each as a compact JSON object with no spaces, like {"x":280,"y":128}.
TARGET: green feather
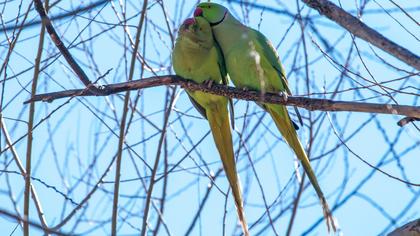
{"x":197,"y":57}
{"x":253,"y":63}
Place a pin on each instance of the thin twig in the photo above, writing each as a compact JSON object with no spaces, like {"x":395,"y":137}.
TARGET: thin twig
{"x":36,"y":225}
{"x":27,"y":192}
{"x":19,"y":164}
{"x":85,"y":199}
{"x":123,"y":123}
{"x":156,"y":164}
{"x":68,"y":14}
{"x":295,"y":205}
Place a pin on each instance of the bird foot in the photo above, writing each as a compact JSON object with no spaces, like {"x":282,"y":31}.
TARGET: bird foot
{"x":245,"y":89}
{"x":209,"y":83}
{"x":284,"y":96}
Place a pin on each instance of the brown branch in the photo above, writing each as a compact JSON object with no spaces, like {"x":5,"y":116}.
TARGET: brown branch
{"x":64,"y":51}
{"x":411,"y":228}
{"x":28,"y":163}
{"x":407,"y":120}
{"x":311,"y":104}
{"x":361,"y":30}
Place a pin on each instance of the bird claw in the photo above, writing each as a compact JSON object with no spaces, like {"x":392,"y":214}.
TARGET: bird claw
{"x":245,"y":89}
{"x":284,"y":96}
{"x":188,"y":84}
{"x":209,"y":83}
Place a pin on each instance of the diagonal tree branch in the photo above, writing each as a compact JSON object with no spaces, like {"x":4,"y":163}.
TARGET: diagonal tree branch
{"x":10,"y":215}
{"x":63,"y":50}
{"x":361,"y":30}
{"x":22,"y":170}
{"x":303,"y":102}
{"x":411,"y":228}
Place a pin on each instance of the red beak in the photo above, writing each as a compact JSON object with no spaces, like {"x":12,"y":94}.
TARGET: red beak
{"x":198,"y":12}
{"x":189,"y":21}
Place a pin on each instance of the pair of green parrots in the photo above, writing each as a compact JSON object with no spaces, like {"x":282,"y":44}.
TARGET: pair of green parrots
{"x":214,"y":44}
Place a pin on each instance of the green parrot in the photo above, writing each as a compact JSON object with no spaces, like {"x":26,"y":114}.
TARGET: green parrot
{"x":252,"y":63}
{"x":197,"y":57}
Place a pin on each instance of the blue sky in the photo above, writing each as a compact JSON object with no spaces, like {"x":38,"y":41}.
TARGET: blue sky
{"x":73,"y":148}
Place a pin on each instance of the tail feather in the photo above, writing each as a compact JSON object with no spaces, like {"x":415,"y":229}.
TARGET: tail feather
{"x":284,"y":124}
{"x":220,"y":127}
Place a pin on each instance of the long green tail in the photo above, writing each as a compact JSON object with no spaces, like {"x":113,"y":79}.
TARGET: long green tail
{"x":284,"y":124}
{"x":220,"y":127}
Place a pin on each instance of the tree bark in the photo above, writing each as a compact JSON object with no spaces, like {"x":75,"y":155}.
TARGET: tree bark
{"x":361,"y":30}
{"x":303,"y":102}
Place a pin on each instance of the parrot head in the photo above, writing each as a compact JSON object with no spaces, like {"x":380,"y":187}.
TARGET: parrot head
{"x":214,"y":13}
{"x":197,"y":29}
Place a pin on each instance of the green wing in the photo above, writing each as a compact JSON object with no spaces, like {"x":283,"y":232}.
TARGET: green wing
{"x":225,"y":81}
{"x":270,"y":53}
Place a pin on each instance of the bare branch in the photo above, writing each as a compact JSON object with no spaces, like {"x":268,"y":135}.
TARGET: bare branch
{"x":34,"y":224}
{"x":303,"y":102}
{"x":22,"y":170}
{"x":361,"y":30}
{"x":123,"y":124}
{"x":411,"y":228}
{"x":28,"y":185}
{"x":407,"y":120}
{"x":63,"y":50}
{"x":72,"y":13}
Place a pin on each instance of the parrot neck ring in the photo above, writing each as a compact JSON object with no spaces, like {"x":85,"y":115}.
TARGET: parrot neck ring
{"x":220,"y":21}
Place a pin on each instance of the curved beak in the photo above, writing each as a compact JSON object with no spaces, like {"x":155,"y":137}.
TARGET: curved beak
{"x":198,"y":12}
{"x":189,"y":21}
